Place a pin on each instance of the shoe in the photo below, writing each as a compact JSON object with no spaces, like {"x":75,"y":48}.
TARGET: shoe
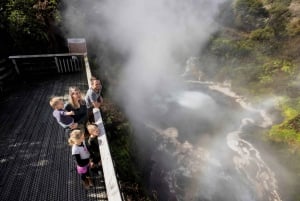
{"x":86,"y":184}
{"x":99,"y":173}
{"x":90,"y":182}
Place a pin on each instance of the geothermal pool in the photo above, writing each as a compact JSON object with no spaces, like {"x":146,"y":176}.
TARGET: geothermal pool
{"x":200,"y":151}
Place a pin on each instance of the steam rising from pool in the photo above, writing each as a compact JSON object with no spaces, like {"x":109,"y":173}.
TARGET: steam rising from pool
{"x":246,"y":176}
{"x":195,"y":100}
{"x":200,"y":154}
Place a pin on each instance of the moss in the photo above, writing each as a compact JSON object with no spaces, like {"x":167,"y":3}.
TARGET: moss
{"x":289,"y":130}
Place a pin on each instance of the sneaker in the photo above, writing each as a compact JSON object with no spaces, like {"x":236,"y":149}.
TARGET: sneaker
{"x":99,"y":173}
{"x":86,"y":184}
{"x":90,"y":182}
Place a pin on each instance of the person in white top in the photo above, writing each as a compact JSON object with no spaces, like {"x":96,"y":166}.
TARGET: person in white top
{"x":81,"y":156}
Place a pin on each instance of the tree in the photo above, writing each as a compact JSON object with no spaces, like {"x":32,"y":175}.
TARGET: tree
{"x":29,"y":24}
{"x":279,"y":18}
{"x":250,"y":14}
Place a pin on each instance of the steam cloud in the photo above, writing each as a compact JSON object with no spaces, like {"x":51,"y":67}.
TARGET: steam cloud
{"x":156,"y":37}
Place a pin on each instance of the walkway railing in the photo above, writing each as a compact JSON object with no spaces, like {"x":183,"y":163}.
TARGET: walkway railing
{"x":67,"y":62}
{"x":111,"y":183}
{"x":70,"y":62}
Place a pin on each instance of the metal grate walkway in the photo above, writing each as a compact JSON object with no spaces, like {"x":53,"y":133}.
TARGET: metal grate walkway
{"x":35,"y":160}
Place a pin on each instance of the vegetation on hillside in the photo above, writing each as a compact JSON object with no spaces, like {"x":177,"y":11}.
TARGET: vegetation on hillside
{"x":30,"y":26}
{"x":259,"y":52}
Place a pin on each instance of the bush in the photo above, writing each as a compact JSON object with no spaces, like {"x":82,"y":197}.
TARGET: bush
{"x":293,"y":28}
{"x":263,"y":34}
{"x":250,"y":14}
{"x":280,"y":134}
{"x":279,"y":17}
{"x":231,"y":48}
{"x":289,"y":130}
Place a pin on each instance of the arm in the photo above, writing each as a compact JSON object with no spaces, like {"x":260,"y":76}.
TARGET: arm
{"x":95,"y":100}
{"x":63,"y":125}
{"x":96,"y":104}
{"x":72,"y":126}
{"x":69,"y":113}
{"x":79,"y":161}
{"x":68,"y":107}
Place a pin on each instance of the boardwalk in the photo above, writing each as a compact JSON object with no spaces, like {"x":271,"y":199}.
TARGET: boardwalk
{"x":35,"y":160}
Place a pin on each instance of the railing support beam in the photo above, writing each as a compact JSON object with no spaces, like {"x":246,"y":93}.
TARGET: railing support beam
{"x":16,"y":66}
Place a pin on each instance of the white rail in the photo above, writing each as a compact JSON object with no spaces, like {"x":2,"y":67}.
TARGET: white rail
{"x":65,"y":62}
{"x":111,"y":183}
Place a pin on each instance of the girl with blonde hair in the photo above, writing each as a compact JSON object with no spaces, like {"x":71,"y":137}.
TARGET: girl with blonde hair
{"x":81,"y":156}
{"x":93,"y":147}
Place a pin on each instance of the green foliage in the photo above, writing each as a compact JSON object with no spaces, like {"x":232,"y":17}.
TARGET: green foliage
{"x":279,"y":17}
{"x":258,"y":60}
{"x":288,"y":135}
{"x":290,"y":107}
{"x":28,"y":23}
{"x":266,"y":69}
{"x":262,"y":34}
{"x":293,"y":28}
{"x":289,"y":130}
{"x":230,"y":48}
{"x":250,"y":14}
{"x":122,"y":146}
{"x":277,"y":72}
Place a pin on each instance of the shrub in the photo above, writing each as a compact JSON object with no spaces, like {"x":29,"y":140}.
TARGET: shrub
{"x":263,"y":34}
{"x":293,"y":28}
{"x":250,"y":14}
{"x":231,"y":48}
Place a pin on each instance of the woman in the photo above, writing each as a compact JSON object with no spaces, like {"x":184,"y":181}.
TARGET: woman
{"x":77,"y":104}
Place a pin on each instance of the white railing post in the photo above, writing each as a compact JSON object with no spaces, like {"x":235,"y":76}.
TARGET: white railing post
{"x":16,"y":66}
{"x":111,"y":183}
{"x":57,"y":64}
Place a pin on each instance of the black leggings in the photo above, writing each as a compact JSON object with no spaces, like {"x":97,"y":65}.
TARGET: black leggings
{"x":85,"y":175}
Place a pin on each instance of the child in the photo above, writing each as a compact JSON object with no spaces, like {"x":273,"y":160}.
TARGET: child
{"x":63,"y":117}
{"x":81,"y":156}
{"x":93,"y":147}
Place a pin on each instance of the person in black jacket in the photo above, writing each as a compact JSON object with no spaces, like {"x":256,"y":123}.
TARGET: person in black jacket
{"x":93,"y":147}
{"x":77,"y":104}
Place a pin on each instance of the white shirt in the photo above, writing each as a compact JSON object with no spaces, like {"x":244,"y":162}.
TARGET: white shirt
{"x":81,"y":150}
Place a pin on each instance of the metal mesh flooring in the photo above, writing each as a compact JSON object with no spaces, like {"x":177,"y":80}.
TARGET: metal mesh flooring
{"x":35,"y":160}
